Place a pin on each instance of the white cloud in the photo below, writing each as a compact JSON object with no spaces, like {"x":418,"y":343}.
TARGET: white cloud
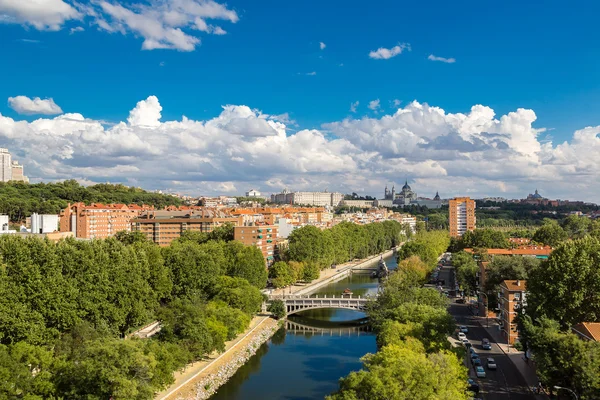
{"x":374,"y":104}
{"x":442,"y":59}
{"x":25,"y":105}
{"x":41,"y":14}
{"x":322,"y":45}
{"x":76,"y":29}
{"x":353,"y":106}
{"x":396,"y":102}
{"x":312,"y":73}
{"x":172,"y":24}
{"x":479,"y":152}
{"x":384,"y":54}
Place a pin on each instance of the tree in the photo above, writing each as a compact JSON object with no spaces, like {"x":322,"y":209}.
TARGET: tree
{"x":277,"y":308}
{"x":306,"y":244}
{"x":485,"y":238}
{"x":130,"y":237}
{"x":466,"y":270}
{"x":506,"y":268}
{"x":239,"y":294}
{"x":223,"y":232}
{"x":565,"y":287}
{"x":249,"y":264}
{"x":575,"y":226}
{"x":550,"y":234}
{"x":281,"y":274}
{"x":25,"y":372}
{"x":310,"y":272}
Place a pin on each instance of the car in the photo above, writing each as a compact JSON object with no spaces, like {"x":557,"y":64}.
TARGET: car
{"x":480,"y":372}
{"x":491,"y":363}
{"x":460,"y":300}
{"x":473,"y":353}
{"x":461,"y":336}
{"x":485,"y":344}
{"x":464,"y":329}
{"x":476,"y":361}
{"x":473,"y":386}
{"x":466,"y":343}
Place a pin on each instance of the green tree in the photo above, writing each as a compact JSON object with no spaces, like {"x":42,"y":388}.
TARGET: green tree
{"x":238,"y":293}
{"x":130,"y":237}
{"x":249,"y":264}
{"x":277,"y":308}
{"x":466,"y":270}
{"x":575,"y":226}
{"x":281,"y":274}
{"x":485,"y":238}
{"x":310,"y":272}
{"x":565,"y":287}
{"x":26,"y":372}
{"x":550,"y":234}
{"x":223,"y":232}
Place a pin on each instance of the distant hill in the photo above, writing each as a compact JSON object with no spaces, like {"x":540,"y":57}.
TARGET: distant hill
{"x":19,"y":200}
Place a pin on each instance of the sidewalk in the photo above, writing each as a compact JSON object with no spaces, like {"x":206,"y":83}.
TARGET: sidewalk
{"x":192,"y":372}
{"x":525,"y":368}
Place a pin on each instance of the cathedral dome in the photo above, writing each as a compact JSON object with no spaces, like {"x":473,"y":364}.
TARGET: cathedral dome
{"x":406,"y":187}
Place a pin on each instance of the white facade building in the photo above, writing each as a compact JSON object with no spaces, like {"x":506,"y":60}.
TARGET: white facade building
{"x":5,"y":165}
{"x":3,"y":223}
{"x":253,"y":193}
{"x":44,"y":223}
{"x":410,"y":220}
{"x":321,"y":199}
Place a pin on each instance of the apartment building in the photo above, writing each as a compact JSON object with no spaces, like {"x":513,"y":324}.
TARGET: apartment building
{"x":96,"y":221}
{"x":308,"y":198}
{"x":17,"y":172}
{"x":512,"y":297}
{"x":260,"y":235}
{"x":461,"y":216}
{"x":162,"y":227}
{"x":43,"y":223}
{"x":5,"y":165}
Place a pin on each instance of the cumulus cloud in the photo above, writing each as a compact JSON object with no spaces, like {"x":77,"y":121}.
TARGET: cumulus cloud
{"x":374,"y":104}
{"x":161,"y":24}
{"x":353,"y":106}
{"x":478,"y":152}
{"x":384,"y":54}
{"x":442,"y":59}
{"x":76,"y":29}
{"x":312,"y":73}
{"x":25,"y":105}
{"x":41,"y":14}
{"x":322,"y":45}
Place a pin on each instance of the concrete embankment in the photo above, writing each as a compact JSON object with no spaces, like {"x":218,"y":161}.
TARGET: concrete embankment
{"x":365,"y":266}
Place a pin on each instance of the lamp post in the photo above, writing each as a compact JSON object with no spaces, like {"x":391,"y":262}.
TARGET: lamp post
{"x":487,"y":322}
{"x":568,"y":390}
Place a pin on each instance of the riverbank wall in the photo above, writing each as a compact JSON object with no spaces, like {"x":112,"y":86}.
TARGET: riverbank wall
{"x":364,"y":266}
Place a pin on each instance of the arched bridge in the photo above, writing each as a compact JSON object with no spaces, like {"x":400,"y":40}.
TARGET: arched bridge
{"x":296,"y":327}
{"x":298,"y":303}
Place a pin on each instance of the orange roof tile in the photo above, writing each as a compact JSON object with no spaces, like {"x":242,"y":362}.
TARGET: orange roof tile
{"x":591,"y":330}
{"x":515,"y":285}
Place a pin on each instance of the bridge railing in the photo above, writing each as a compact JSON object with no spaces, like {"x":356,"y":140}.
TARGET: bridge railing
{"x":331,"y":297}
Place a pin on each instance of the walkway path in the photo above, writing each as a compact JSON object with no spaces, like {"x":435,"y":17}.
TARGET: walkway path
{"x":185,"y":380}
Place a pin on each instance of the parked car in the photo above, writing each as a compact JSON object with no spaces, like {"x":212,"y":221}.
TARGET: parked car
{"x":461,"y":336}
{"x":476,"y":361}
{"x":464,"y":329}
{"x":460,"y":300}
{"x":480,"y":372}
{"x":473,"y":353}
{"x":473,"y":386}
{"x":485,"y":344}
{"x":491,"y":363}
{"x":466,"y":342}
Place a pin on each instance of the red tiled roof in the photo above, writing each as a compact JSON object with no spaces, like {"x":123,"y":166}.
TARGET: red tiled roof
{"x":591,"y":330}
{"x":515,"y":285}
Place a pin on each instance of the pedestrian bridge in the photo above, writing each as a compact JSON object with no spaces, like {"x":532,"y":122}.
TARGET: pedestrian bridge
{"x":297,"y":303}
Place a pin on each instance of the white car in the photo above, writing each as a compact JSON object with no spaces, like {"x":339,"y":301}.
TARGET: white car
{"x":480,"y":372}
{"x":462,"y":336}
{"x":491,"y":363}
{"x":464,"y":329}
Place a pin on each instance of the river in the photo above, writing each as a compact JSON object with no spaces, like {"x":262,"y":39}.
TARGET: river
{"x":299,"y":365}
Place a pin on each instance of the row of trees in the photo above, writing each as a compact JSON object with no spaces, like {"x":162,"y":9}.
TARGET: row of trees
{"x":414,"y":360}
{"x":427,"y":245}
{"x":20,"y":200}
{"x":343,"y":242}
{"x":65,"y":307}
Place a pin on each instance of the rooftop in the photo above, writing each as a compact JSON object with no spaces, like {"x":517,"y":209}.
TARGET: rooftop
{"x":515,"y":285}
{"x":590,"y":330}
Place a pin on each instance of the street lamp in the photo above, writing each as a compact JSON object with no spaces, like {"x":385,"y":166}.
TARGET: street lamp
{"x":487,"y":322}
{"x":567,"y":389}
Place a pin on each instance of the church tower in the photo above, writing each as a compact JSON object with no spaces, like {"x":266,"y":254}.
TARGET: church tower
{"x":393,"y":193}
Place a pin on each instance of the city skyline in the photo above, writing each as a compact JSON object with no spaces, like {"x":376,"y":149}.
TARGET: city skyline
{"x":209,"y":100}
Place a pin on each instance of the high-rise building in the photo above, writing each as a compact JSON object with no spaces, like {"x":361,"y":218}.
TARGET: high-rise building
{"x":17,"y":172}
{"x":5,"y":165}
{"x":461,"y":215}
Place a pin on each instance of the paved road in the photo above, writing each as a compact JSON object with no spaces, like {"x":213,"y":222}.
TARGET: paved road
{"x":506,"y":383}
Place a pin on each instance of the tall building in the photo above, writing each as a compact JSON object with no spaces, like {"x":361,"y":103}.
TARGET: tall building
{"x":308,"y":198}
{"x":5,"y":165}
{"x":511,"y":300}
{"x":262,"y":236}
{"x":96,"y":221}
{"x":44,"y":223}
{"x":462,"y":215}
{"x":17,"y":172}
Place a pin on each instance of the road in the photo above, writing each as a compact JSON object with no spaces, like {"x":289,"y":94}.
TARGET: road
{"x":505,"y":383}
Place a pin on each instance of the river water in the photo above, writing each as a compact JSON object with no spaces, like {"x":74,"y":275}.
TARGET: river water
{"x":305,"y":359}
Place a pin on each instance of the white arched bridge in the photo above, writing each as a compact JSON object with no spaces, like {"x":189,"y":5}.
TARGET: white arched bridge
{"x":297,"y":303}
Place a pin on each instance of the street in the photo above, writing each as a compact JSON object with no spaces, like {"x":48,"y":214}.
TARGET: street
{"x":505,"y":382}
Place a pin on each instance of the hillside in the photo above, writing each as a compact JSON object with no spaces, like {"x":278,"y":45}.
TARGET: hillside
{"x":19,"y":200}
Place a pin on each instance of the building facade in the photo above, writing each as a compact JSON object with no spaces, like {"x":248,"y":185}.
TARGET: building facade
{"x":5,"y":165}
{"x":253,"y":193}
{"x":17,"y":172}
{"x":44,"y":223}
{"x":511,"y":300}
{"x":461,"y":216}
{"x":321,"y":199}
{"x":260,"y":235}
{"x":162,"y":227}
{"x":96,"y":221}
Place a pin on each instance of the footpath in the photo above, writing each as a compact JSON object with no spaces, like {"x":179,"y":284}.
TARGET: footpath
{"x":201,"y":379}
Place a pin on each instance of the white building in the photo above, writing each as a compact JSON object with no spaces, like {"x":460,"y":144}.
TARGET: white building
{"x":321,"y":199}
{"x":5,"y":165}
{"x":44,"y":223}
{"x":410,"y":220}
{"x":4,"y":222}
{"x":284,"y":228}
{"x":17,"y":172}
{"x":253,"y":193}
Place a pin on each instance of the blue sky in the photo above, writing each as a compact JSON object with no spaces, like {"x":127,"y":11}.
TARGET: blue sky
{"x":539,"y":55}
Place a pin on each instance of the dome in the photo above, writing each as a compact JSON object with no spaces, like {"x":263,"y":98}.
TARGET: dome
{"x":537,"y":195}
{"x":406,"y":187}
{"x":437,"y":196}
